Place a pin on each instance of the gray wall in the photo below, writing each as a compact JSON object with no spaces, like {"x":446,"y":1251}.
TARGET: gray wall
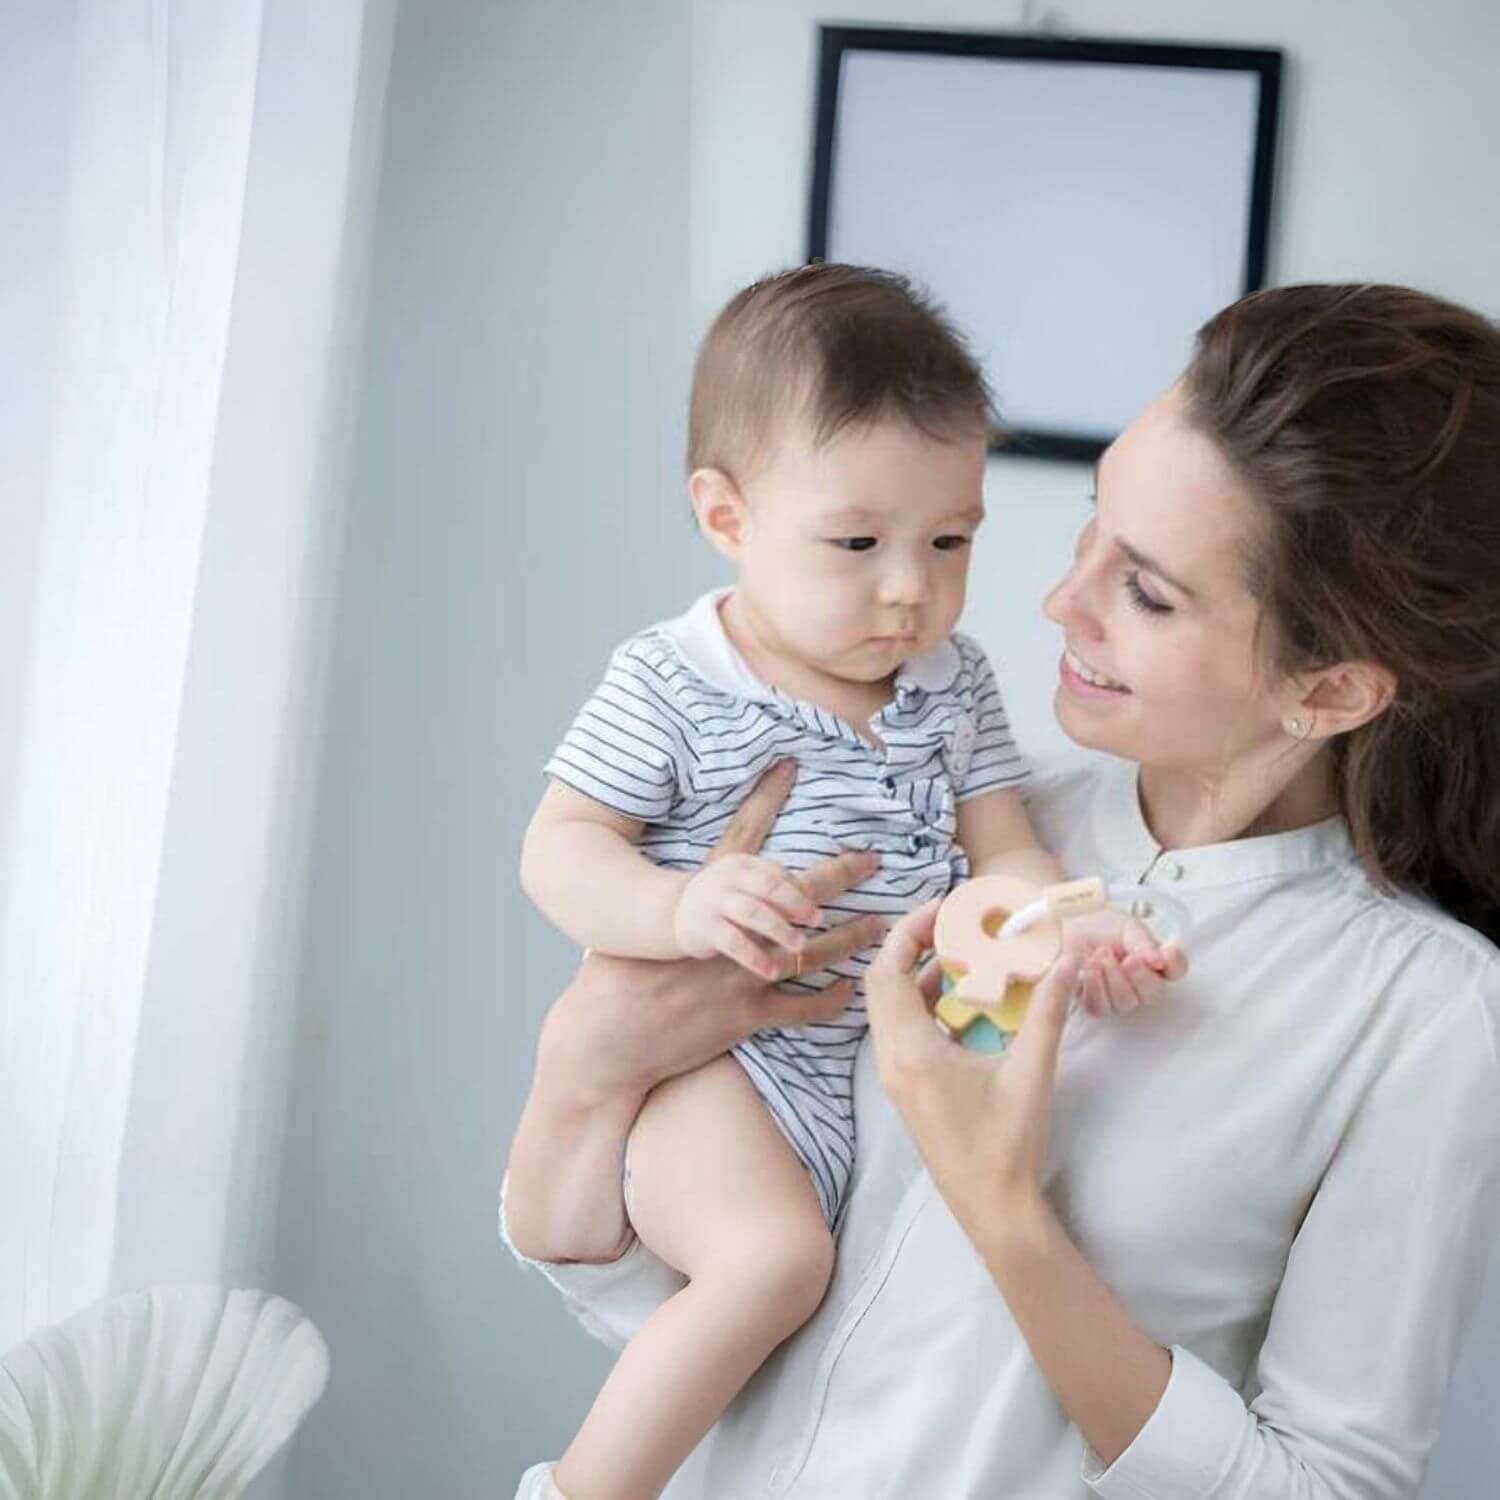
{"x":516,"y":508}
{"x":549,"y":236}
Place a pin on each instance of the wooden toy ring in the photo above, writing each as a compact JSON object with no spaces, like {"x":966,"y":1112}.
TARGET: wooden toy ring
{"x":990,"y":977}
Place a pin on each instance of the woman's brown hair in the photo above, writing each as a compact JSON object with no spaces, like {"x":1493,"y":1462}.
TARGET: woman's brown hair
{"x":1366,"y":421}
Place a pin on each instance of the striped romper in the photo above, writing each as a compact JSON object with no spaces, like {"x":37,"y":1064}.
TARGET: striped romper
{"x":677,"y":734}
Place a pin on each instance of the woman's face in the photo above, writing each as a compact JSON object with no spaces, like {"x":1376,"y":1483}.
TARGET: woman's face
{"x":1162,"y":665}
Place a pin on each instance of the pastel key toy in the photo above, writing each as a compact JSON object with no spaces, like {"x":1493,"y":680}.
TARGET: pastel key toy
{"x":997,"y":935}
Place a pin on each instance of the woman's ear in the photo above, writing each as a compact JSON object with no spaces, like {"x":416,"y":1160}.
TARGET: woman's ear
{"x":720,"y":509}
{"x":1339,"y":698}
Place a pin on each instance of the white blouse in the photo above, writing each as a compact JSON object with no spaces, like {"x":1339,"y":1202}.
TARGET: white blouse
{"x":1286,"y":1171}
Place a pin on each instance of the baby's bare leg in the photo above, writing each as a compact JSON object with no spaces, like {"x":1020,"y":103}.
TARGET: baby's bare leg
{"x":717,"y":1192}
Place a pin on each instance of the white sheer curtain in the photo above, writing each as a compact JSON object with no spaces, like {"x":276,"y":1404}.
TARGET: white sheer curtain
{"x":180,"y":304}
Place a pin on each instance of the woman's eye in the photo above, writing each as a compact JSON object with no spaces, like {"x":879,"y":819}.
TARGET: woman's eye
{"x":951,"y":543}
{"x":854,"y":543}
{"x":1148,"y":604}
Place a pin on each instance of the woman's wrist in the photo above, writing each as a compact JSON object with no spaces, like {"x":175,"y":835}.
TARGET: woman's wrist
{"x":1015,"y":1227}
{"x":1005,"y":1221}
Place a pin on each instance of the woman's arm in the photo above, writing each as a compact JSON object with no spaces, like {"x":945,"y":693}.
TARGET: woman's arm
{"x":623,"y":1025}
{"x":982,"y":1125}
{"x":1108,"y":1374}
{"x":1368,"y":1320}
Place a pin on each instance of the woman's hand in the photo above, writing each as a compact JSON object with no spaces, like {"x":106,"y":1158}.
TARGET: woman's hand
{"x":981,"y":1122}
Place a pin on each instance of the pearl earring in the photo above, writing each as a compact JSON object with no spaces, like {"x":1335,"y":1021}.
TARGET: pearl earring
{"x":1294,"y":728}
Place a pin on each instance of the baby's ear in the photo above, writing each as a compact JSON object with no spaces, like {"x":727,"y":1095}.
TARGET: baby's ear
{"x":720,"y":509}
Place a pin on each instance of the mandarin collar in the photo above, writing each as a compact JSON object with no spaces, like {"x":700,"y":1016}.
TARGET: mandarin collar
{"x":700,"y":639}
{"x":1127,"y":842}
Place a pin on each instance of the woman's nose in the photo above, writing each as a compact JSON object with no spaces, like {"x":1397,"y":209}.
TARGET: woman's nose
{"x":1067,"y":605}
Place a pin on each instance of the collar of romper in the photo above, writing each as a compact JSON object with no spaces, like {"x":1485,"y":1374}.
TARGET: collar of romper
{"x":700,"y":640}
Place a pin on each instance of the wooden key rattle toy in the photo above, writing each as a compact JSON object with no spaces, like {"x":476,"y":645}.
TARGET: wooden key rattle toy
{"x":997,"y":935}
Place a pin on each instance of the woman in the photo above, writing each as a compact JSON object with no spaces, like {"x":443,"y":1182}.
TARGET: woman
{"x":1224,"y":1245}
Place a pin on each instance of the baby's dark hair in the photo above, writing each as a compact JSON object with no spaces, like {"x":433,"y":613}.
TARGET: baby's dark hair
{"x":837,"y":346}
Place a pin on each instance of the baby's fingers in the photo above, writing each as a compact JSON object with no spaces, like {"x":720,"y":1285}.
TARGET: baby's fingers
{"x":1177,"y":962}
{"x":1138,"y":940}
{"x":733,"y":942}
{"x":1148,"y":983}
{"x":1122,"y":999}
{"x":1091,"y":991}
{"x":761,"y":918}
{"x":770,"y":883}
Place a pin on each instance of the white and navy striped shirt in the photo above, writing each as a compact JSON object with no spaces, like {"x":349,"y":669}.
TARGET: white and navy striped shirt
{"x":678,"y":733}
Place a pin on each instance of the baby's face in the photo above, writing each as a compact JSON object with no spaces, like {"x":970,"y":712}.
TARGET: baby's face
{"x":855,"y":555}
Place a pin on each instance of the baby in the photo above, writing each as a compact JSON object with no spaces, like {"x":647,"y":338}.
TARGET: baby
{"x":839,"y":431}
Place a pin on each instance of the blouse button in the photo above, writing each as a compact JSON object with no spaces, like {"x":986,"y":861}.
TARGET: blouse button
{"x":888,"y":783}
{"x":1172,"y":870}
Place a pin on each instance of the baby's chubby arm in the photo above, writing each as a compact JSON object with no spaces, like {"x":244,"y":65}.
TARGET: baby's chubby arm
{"x":1123,"y":965}
{"x":998,"y":838}
{"x":579,"y":864}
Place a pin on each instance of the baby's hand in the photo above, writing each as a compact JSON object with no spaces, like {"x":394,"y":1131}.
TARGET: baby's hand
{"x":744,"y":906}
{"x":1123,"y":965}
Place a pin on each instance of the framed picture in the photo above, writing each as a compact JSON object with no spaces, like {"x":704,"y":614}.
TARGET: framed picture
{"x":1078,"y":207}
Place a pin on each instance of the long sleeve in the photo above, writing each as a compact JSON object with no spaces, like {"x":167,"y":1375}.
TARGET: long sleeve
{"x":1380,"y":1285}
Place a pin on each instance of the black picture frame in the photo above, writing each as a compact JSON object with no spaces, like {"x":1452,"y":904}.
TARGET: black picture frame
{"x":837,"y":42}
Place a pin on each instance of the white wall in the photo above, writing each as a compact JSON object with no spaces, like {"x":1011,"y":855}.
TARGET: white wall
{"x":550,"y":236}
